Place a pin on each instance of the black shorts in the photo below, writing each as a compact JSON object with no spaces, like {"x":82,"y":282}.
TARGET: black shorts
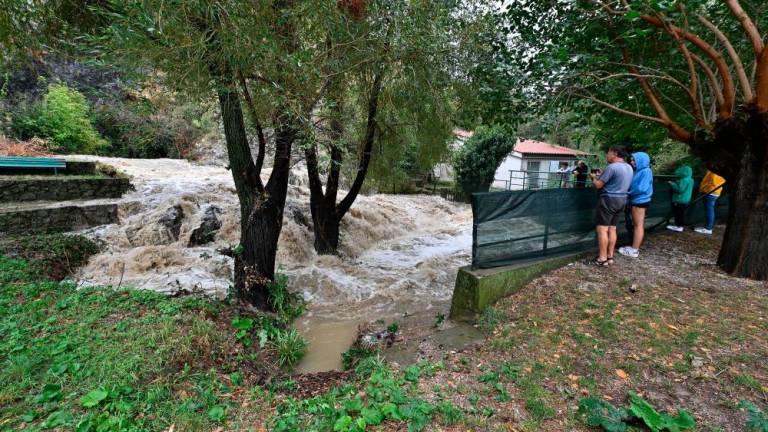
{"x":608,"y":210}
{"x":643,"y":205}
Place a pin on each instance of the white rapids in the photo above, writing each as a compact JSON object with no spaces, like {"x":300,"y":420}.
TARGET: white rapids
{"x":399,"y":253}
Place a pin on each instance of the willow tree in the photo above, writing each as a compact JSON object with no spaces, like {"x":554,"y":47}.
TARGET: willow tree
{"x":698,"y":69}
{"x":206,"y":48}
{"x":376,"y":55}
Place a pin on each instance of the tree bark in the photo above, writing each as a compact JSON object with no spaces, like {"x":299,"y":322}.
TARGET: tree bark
{"x":261,"y":208}
{"x":739,"y":152}
{"x":326,"y":213}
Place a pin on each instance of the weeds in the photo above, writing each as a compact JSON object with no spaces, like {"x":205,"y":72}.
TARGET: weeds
{"x":290,"y":346}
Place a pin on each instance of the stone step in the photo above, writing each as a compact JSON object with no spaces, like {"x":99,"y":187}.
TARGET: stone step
{"x":57,"y":216}
{"x":60,"y":188}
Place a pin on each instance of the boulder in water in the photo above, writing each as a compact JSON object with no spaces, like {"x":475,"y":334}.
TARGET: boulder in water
{"x":171,"y":219}
{"x":209,"y":225}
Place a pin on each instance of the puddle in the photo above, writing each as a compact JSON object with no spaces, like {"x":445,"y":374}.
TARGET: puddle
{"x":327,"y":340}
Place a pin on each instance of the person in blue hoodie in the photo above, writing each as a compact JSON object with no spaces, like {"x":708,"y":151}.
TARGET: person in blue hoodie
{"x":640,"y":193}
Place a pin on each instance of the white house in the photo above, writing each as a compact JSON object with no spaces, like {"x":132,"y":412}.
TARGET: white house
{"x":444,"y":170}
{"x":534,"y":165}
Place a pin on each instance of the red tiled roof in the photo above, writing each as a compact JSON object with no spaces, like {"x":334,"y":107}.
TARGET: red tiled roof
{"x":538,"y":147}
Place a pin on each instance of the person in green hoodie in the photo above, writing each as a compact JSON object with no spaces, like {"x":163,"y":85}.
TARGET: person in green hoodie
{"x":682,"y":189}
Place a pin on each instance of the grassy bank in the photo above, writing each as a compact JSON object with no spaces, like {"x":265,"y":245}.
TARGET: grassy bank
{"x":668,"y":329}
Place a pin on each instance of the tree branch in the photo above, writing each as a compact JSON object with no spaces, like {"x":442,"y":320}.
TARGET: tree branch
{"x":623,"y":111}
{"x":749,"y":26}
{"x":370,"y":133}
{"x":762,"y":82}
{"x":694,"y":90}
{"x":718,"y":92}
{"x":741,"y":73}
{"x":726,"y":109}
{"x":255,"y":119}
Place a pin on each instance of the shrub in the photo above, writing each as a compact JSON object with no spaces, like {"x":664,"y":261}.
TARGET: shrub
{"x":475,"y":163}
{"x":53,"y":256}
{"x":63,"y":119}
{"x":140,"y":130}
{"x":290,"y":346}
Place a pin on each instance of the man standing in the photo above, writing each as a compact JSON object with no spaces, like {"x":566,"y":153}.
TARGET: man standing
{"x":580,"y":172}
{"x":614,"y":185}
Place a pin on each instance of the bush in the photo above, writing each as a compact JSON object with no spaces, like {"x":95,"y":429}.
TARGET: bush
{"x":475,"y":163}
{"x":290,"y":346}
{"x":63,"y":119}
{"x":138,"y":129}
{"x":53,"y":256}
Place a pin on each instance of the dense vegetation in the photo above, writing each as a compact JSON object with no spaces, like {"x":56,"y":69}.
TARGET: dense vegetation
{"x":78,"y":107}
{"x":476,"y":161}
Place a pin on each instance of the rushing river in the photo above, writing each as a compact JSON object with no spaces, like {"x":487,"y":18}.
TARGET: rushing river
{"x":399,"y":254}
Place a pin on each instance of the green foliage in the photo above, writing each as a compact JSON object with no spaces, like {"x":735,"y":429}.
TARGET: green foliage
{"x":476,"y":162}
{"x":54,"y":256}
{"x":394,"y":327}
{"x":355,"y":354}
{"x":490,"y":319}
{"x":596,"y":412}
{"x":290,"y":346}
{"x":656,"y":421}
{"x":757,"y":421}
{"x":151,"y":128}
{"x":62,"y":119}
{"x":107,"y":360}
{"x":386,"y":396}
{"x":287,"y":305}
{"x":599,"y":413}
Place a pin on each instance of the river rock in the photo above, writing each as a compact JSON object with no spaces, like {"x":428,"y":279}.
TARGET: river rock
{"x":209,"y":225}
{"x":297,"y":213}
{"x":171,"y":219}
{"x":165,"y":231}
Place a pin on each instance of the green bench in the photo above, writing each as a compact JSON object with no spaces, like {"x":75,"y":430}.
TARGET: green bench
{"x":21,"y":162}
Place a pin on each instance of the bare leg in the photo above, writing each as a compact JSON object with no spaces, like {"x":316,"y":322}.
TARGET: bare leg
{"x":638,"y":216}
{"x":602,"y":242}
{"x":612,"y":237}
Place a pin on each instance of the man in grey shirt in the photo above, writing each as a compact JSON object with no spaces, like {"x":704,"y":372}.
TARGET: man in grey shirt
{"x":614,"y":185}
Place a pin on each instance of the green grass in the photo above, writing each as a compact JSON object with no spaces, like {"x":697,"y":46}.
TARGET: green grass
{"x":151,"y":361}
{"x":98,"y":359}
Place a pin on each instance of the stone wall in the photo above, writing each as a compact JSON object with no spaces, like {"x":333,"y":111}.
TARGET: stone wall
{"x":61,"y":188}
{"x":49,"y":219}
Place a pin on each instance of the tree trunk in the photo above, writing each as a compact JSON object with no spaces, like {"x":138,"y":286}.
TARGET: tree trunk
{"x":261,"y":208}
{"x":326,"y":214}
{"x":743,"y":161}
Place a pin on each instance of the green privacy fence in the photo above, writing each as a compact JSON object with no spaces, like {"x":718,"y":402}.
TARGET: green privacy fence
{"x":515,"y":227}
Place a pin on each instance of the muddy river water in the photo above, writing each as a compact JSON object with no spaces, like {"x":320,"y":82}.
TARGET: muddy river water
{"x":399,"y":254}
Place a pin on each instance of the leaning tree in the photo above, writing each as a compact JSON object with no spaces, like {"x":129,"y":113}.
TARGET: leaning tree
{"x":698,"y":69}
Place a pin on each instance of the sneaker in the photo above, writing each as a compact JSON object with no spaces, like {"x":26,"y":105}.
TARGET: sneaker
{"x":675,"y":228}
{"x":629,"y":251}
{"x":702,"y":230}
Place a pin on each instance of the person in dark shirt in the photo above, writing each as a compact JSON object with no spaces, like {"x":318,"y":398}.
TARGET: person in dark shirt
{"x":581,"y":172}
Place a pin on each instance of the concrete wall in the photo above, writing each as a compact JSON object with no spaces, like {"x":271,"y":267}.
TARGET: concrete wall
{"x":51,"y":219}
{"x":61,"y":188}
{"x":477,"y":289}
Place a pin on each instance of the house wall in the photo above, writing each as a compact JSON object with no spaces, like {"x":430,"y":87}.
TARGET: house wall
{"x":513,"y":162}
{"x":522,"y":180}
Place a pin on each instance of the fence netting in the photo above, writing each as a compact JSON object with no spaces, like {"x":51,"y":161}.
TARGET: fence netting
{"x":515,"y":227}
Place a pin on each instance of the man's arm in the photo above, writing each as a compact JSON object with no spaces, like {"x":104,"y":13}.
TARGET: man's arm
{"x":597,"y":183}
